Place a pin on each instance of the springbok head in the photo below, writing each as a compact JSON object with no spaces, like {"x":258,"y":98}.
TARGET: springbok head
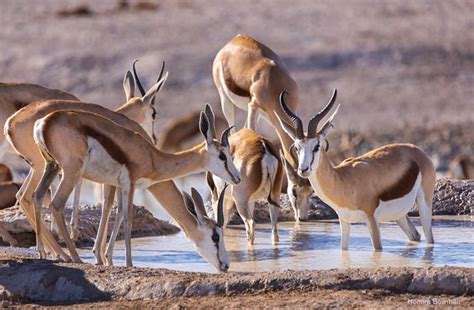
{"x":308,"y":145}
{"x":299,"y":191}
{"x":210,"y":240}
{"x":217,"y":158}
{"x":141,"y":107}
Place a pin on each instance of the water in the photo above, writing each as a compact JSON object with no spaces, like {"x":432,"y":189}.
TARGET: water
{"x":311,"y":245}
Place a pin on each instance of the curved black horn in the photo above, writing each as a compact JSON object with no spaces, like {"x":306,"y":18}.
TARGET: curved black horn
{"x":295,"y":119}
{"x":157,"y":80}
{"x":313,"y":122}
{"x":220,"y":207}
{"x":139,"y":84}
{"x":225,"y":136}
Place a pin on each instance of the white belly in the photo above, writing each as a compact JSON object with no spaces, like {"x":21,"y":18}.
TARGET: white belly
{"x":392,"y":210}
{"x":100,"y":166}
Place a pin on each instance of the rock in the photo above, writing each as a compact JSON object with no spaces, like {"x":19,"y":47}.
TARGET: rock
{"x":144,"y":224}
{"x":453,"y":197}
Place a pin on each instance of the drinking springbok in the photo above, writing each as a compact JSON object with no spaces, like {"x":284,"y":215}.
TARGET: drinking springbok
{"x":82,"y":144}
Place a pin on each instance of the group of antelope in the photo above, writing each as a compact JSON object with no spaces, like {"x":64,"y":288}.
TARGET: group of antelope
{"x":57,"y":134}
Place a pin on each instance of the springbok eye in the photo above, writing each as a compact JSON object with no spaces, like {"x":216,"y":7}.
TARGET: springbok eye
{"x":293,"y":191}
{"x":222,"y":156}
{"x":215,"y":237}
{"x":316,"y":148}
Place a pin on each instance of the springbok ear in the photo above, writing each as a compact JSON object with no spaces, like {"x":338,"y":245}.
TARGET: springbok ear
{"x":199,"y":205}
{"x":129,"y":85}
{"x":153,"y":91}
{"x":211,"y":185}
{"x":286,"y":127}
{"x":328,"y":124}
{"x":189,"y":203}
{"x":204,"y":128}
{"x":290,"y":172}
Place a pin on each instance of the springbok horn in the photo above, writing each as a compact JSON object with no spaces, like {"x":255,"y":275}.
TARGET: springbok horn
{"x":211,"y":118}
{"x":225,"y":136}
{"x":139,"y":84}
{"x":159,"y":78}
{"x":220,"y":207}
{"x":313,"y":122}
{"x":295,"y":119}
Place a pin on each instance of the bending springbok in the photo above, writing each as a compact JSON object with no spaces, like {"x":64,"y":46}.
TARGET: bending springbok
{"x":19,"y":131}
{"x":261,"y":172}
{"x":249,"y":75}
{"x":98,"y":149}
{"x":381,"y":185}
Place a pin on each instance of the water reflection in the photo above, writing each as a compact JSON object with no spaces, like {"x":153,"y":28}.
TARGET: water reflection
{"x":311,"y":245}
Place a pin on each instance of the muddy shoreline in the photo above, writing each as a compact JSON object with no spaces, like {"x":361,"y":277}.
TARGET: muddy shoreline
{"x":27,"y":280}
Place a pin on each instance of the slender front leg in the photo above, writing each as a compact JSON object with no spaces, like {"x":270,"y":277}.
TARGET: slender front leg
{"x":74,"y":223}
{"x":101,"y":238}
{"x":127,"y":197}
{"x":245,"y":210}
{"x":113,"y":237}
{"x":374,"y":231}
{"x":408,"y":228}
{"x":274,"y":219}
{"x":345,"y":232}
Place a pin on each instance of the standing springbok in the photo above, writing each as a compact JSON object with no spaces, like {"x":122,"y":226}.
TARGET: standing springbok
{"x":14,"y":96}
{"x":261,"y":172}
{"x":381,"y":185}
{"x":19,"y":131}
{"x":249,"y":75}
{"x":82,"y":144}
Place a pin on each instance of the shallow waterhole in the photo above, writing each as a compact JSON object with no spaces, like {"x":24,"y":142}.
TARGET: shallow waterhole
{"x":310,"y":245}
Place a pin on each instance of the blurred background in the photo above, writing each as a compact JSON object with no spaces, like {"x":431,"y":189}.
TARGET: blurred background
{"x":404,"y":69}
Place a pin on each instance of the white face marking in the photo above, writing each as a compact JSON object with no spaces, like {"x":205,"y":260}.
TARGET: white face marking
{"x":394,"y":209}
{"x":219,"y":162}
{"x":214,"y":253}
{"x":299,"y":199}
{"x":308,"y":151}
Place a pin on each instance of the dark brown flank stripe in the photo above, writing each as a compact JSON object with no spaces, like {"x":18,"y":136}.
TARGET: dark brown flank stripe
{"x":230,"y":83}
{"x":108,"y":144}
{"x":464,"y":168}
{"x":403,"y":186}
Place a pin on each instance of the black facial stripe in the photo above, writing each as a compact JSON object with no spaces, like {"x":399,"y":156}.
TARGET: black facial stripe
{"x":153,"y":116}
{"x":214,"y":234}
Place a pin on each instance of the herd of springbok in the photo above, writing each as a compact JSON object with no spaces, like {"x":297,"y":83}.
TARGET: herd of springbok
{"x":57,"y":134}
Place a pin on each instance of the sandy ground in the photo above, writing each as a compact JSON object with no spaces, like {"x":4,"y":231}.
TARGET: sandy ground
{"x":26,"y":280}
{"x":394,"y":63}
{"x":291,"y":300}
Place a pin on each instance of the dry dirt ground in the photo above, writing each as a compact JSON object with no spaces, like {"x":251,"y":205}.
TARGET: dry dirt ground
{"x":37,"y":282}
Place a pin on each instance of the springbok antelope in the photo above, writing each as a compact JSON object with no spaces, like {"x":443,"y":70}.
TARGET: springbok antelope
{"x":19,"y":131}
{"x":14,"y":96}
{"x":381,"y":185}
{"x":98,"y":149}
{"x":261,"y":172}
{"x":249,"y":75}
{"x":179,"y":132}
{"x":461,"y":168}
